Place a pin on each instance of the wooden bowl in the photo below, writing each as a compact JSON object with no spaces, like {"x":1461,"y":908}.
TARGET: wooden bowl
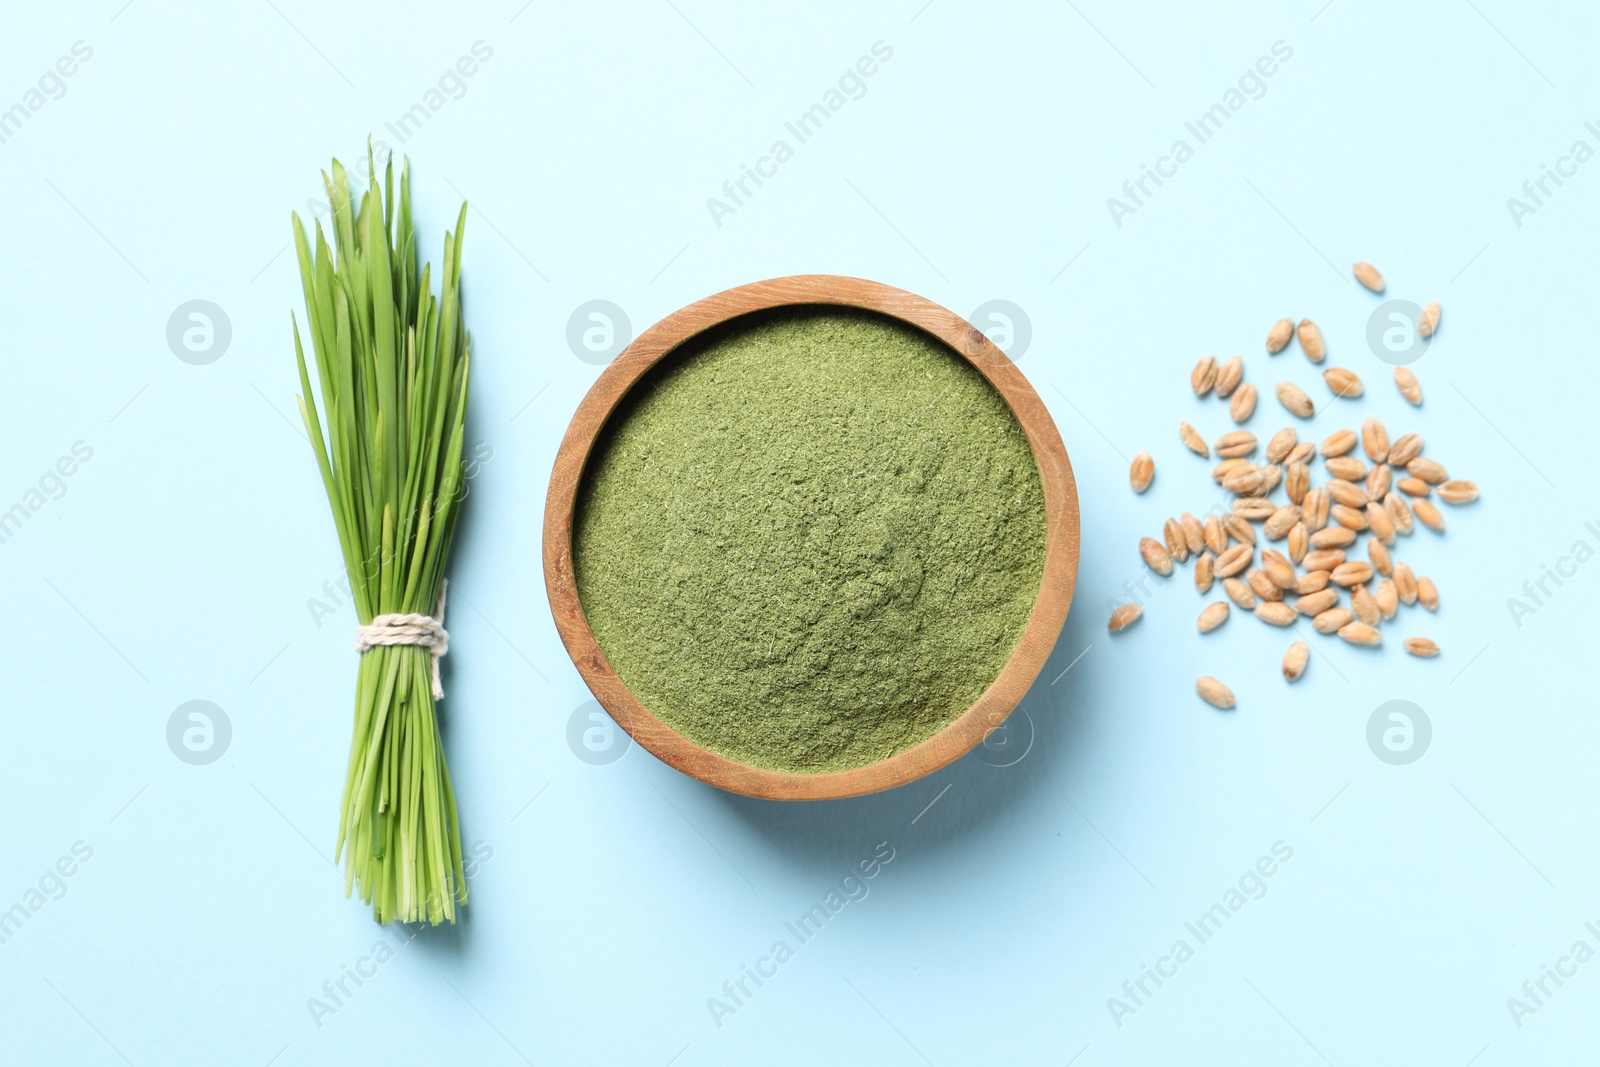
{"x":1038,"y":636}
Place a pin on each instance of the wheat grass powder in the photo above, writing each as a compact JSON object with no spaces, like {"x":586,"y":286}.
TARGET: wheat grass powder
{"x":810,"y":538}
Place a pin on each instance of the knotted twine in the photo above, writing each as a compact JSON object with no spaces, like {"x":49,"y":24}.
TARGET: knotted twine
{"x":409,"y":628}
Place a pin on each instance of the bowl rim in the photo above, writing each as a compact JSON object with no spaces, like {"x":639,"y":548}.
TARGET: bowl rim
{"x":1039,"y":633}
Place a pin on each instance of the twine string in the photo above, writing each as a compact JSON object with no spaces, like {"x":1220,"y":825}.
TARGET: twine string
{"x":409,"y":628}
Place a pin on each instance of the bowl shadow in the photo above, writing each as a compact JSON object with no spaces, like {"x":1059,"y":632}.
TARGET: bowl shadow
{"x":1019,"y":759}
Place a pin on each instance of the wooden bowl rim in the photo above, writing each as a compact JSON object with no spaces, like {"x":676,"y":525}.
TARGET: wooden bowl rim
{"x":1044,"y":621}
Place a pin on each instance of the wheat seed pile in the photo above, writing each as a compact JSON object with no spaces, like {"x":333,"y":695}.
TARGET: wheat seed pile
{"x":1325,"y":551}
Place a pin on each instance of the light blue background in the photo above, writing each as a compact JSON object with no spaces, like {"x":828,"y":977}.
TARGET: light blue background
{"x":179,"y":563}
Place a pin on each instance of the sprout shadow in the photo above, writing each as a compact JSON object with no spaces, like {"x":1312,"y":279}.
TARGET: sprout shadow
{"x":447,"y":939}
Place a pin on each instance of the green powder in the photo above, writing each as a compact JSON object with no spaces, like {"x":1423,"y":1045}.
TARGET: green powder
{"x":810,"y":539}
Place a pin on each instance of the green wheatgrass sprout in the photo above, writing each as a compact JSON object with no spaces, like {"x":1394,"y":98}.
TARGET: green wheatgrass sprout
{"x":392,"y":366}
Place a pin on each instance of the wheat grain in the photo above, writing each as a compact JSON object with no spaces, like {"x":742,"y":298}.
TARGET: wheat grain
{"x":1311,"y":582}
{"x":1295,"y":400}
{"x":1233,"y":560}
{"x":1311,"y":342}
{"x":1228,"y":376}
{"x":1155,"y":557}
{"x":1368,"y":276}
{"x":1142,"y":470}
{"x":1263,"y":587}
{"x":1177,"y":544}
{"x":1338,"y":443}
{"x":1193,"y":441}
{"x":1429,"y":322}
{"x":1280,"y":522}
{"x":1214,"y":692}
{"x":1276,"y":613}
{"x":1295,"y":660}
{"x":1408,"y":385}
{"x":1314,"y":508}
{"x":1387,"y":597}
{"x":1345,"y":384}
{"x":1243,"y":404}
{"x":1379,"y":479}
{"x":1374,"y":440}
{"x":1348,"y":468}
{"x":1405,"y":584}
{"x":1428,"y":470}
{"x":1240,"y":593}
{"x":1334,"y":537}
{"x":1428,"y":515}
{"x":1364,"y":606}
{"x":1344,"y":515}
{"x":1235,"y":444}
{"x":1380,"y":523}
{"x":1360,"y":633}
{"x":1123,"y":616}
{"x":1299,"y":541}
{"x":1216,"y":536}
{"x":1352,"y":572}
{"x":1213,"y":616}
{"x":1332,"y":620}
{"x":1313,"y":604}
{"x":1399,"y":513}
{"x":1278,"y":336}
{"x":1406,"y":447}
